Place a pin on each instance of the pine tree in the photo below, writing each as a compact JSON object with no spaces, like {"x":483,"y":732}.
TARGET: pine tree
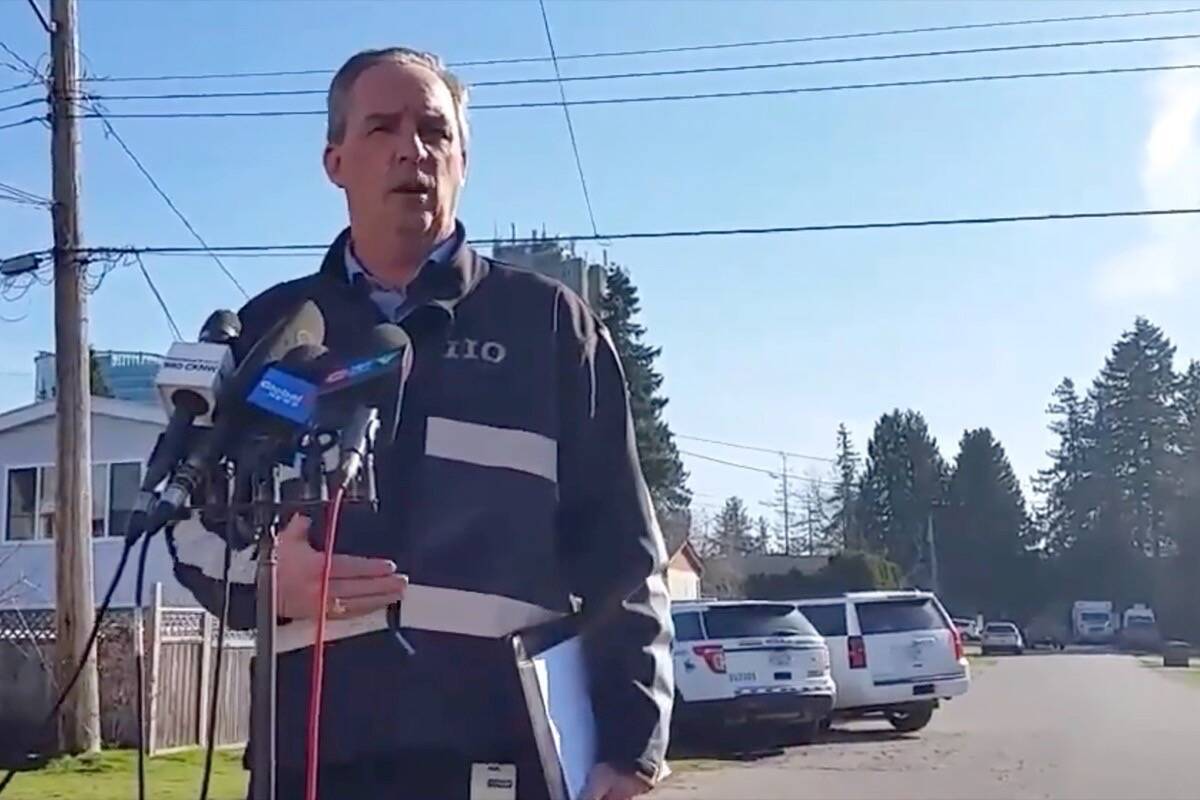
{"x":762,"y":539}
{"x":904,"y":480}
{"x":815,"y":507}
{"x":1138,"y":433}
{"x":661,"y":464}
{"x":981,"y":535}
{"x":733,"y":533}
{"x":1063,"y":513}
{"x":842,"y":530}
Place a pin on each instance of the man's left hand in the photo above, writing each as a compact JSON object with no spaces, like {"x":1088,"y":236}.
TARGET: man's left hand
{"x":608,"y":783}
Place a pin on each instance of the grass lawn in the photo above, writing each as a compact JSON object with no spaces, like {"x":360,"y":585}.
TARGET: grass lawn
{"x":112,"y":775}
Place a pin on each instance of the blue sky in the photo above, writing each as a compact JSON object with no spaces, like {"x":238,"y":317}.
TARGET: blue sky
{"x":771,"y":340}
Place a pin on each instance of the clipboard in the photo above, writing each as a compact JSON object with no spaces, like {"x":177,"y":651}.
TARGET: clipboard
{"x":554,"y":682}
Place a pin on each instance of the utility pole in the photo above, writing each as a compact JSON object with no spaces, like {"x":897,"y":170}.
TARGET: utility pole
{"x":931,"y":546}
{"x":80,"y":719}
{"x":787,"y":517}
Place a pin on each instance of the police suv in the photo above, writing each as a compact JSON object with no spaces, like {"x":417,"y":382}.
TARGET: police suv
{"x":748,"y":666}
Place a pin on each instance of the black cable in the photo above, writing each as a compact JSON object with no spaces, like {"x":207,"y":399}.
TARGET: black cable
{"x":41,"y":17}
{"x":158,"y":296}
{"x":30,"y":102}
{"x":48,"y":725}
{"x":829,"y":37}
{"x":19,"y":123}
{"x":300,"y":249}
{"x":606,"y":101}
{"x":210,"y":746}
{"x":559,"y":78}
{"x":752,"y":448}
{"x":140,"y":665}
{"x":562,"y":93}
{"x":166,"y":198}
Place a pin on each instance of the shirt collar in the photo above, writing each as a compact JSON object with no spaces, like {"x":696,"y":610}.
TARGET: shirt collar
{"x":439,"y":256}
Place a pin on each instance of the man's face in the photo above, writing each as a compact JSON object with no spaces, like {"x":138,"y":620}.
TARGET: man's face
{"x":401,"y":160}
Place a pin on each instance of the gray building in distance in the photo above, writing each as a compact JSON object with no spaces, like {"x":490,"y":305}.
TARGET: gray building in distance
{"x":130,"y":375}
{"x":550,"y":258}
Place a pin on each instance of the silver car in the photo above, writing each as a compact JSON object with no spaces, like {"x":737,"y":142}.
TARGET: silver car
{"x":1003,"y":637}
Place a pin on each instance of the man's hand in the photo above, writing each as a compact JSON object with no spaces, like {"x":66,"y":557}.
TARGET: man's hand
{"x":357,"y":585}
{"x":608,"y":783}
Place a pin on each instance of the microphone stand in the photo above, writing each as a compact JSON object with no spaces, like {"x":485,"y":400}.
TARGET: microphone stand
{"x":265,"y":504}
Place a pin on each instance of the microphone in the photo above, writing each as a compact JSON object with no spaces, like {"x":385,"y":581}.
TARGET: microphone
{"x":187,"y":383}
{"x":305,"y":325}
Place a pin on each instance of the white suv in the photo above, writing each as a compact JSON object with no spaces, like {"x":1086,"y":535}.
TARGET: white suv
{"x":746,"y":663}
{"x":895,"y":654}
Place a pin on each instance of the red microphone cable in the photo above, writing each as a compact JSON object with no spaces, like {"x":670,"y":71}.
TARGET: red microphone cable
{"x":318,"y":663}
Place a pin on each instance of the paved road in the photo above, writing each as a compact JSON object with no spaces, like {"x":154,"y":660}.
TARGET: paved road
{"x":1068,"y":726}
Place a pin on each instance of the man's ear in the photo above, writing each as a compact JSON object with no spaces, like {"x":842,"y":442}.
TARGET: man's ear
{"x":333,"y":165}
{"x":466,"y":164}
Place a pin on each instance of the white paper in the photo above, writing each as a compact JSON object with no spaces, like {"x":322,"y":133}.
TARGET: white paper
{"x":562,"y":676}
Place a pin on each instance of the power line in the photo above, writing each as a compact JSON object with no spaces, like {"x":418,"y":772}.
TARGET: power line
{"x":677,"y":49}
{"x":158,"y":296}
{"x":31,"y":102}
{"x":751,"y":448}
{"x":300,"y":249}
{"x":664,"y":98}
{"x":167,"y":199}
{"x":41,"y":17}
{"x":20,"y":123}
{"x":562,"y":93}
{"x":559,"y":78}
{"x":20,"y":196}
{"x":772,"y":473}
{"x":845,"y":60}
{"x":18,"y":86}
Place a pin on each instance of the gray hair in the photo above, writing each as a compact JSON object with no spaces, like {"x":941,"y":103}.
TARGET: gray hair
{"x":338,"y":99}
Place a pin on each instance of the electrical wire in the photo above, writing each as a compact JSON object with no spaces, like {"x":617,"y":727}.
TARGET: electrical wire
{"x":313,"y":740}
{"x":665,"y":98}
{"x":30,"y":102}
{"x":48,"y":727}
{"x":158,"y":296}
{"x":753,"y":449}
{"x":140,"y":667}
{"x":562,"y":93}
{"x":20,"y":123}
{"x":41,"y":17}
{"x":222,"y":622}
{"x":300,"y":249}
{"x":829,"y":37}
{"x":732,"y":68}
{"x":111,"y":131}
{"x":776,"y":474}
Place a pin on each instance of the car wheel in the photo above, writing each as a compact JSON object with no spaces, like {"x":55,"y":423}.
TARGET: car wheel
{"x":911,"y":718}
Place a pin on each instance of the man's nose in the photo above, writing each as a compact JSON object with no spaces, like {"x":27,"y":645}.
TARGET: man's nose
{"x":409,"y":146}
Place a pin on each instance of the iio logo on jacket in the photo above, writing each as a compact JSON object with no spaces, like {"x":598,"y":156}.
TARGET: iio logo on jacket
{"x":285,"y":396}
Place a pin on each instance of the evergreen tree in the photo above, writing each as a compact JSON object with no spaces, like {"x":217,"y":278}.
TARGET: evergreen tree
{"x":981,"y":535}
{"x":904,"y":479}
{"x":815,"y":508}
{"x":842,"y":530}
{"x":762,"y":539}
{"x":733,"y":533}
{"x":1138,"y":434}
{"x":1064,"y":511}
{"x":661,"y":464}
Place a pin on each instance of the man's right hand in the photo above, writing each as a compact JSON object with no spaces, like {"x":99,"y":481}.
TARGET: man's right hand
{"x":357,"y":585}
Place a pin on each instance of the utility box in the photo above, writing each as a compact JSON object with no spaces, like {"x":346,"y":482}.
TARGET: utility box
{"x":1177,"y":654}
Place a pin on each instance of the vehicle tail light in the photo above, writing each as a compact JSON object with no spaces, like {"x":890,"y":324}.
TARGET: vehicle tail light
{"x":857,"y":650}
{"x":713,"y":655}
{"x":957,"y":638}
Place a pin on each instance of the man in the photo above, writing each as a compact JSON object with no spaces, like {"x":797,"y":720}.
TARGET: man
{"x":510,"y":481}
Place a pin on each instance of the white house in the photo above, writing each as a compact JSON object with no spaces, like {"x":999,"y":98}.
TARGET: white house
{"x":123,"y":434}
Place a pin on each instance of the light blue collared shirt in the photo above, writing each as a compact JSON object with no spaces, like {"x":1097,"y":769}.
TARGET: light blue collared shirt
{"x":393,"y":303}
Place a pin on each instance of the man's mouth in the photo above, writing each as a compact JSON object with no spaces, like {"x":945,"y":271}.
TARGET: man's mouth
{"x":417,"y":188}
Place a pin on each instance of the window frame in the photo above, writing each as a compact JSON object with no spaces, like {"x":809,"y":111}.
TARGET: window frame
{"x":39,"y":529}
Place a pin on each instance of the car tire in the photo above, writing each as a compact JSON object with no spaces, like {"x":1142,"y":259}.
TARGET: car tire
{"x":805,"y":732}
{"x":911,"y":718}
{"x":985,"y":651}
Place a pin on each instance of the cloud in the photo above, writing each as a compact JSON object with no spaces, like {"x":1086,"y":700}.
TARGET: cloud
{"x":1166,"y":257}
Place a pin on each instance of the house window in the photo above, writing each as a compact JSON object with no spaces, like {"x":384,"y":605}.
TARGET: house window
{"x":31,"y":500}
{"x":22,"y":515}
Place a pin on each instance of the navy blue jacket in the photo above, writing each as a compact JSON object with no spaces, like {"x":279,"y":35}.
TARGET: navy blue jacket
{"x":509,"y":469}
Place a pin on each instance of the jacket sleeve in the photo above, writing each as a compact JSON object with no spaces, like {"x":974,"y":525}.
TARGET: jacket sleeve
{"x":614,"y":549}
